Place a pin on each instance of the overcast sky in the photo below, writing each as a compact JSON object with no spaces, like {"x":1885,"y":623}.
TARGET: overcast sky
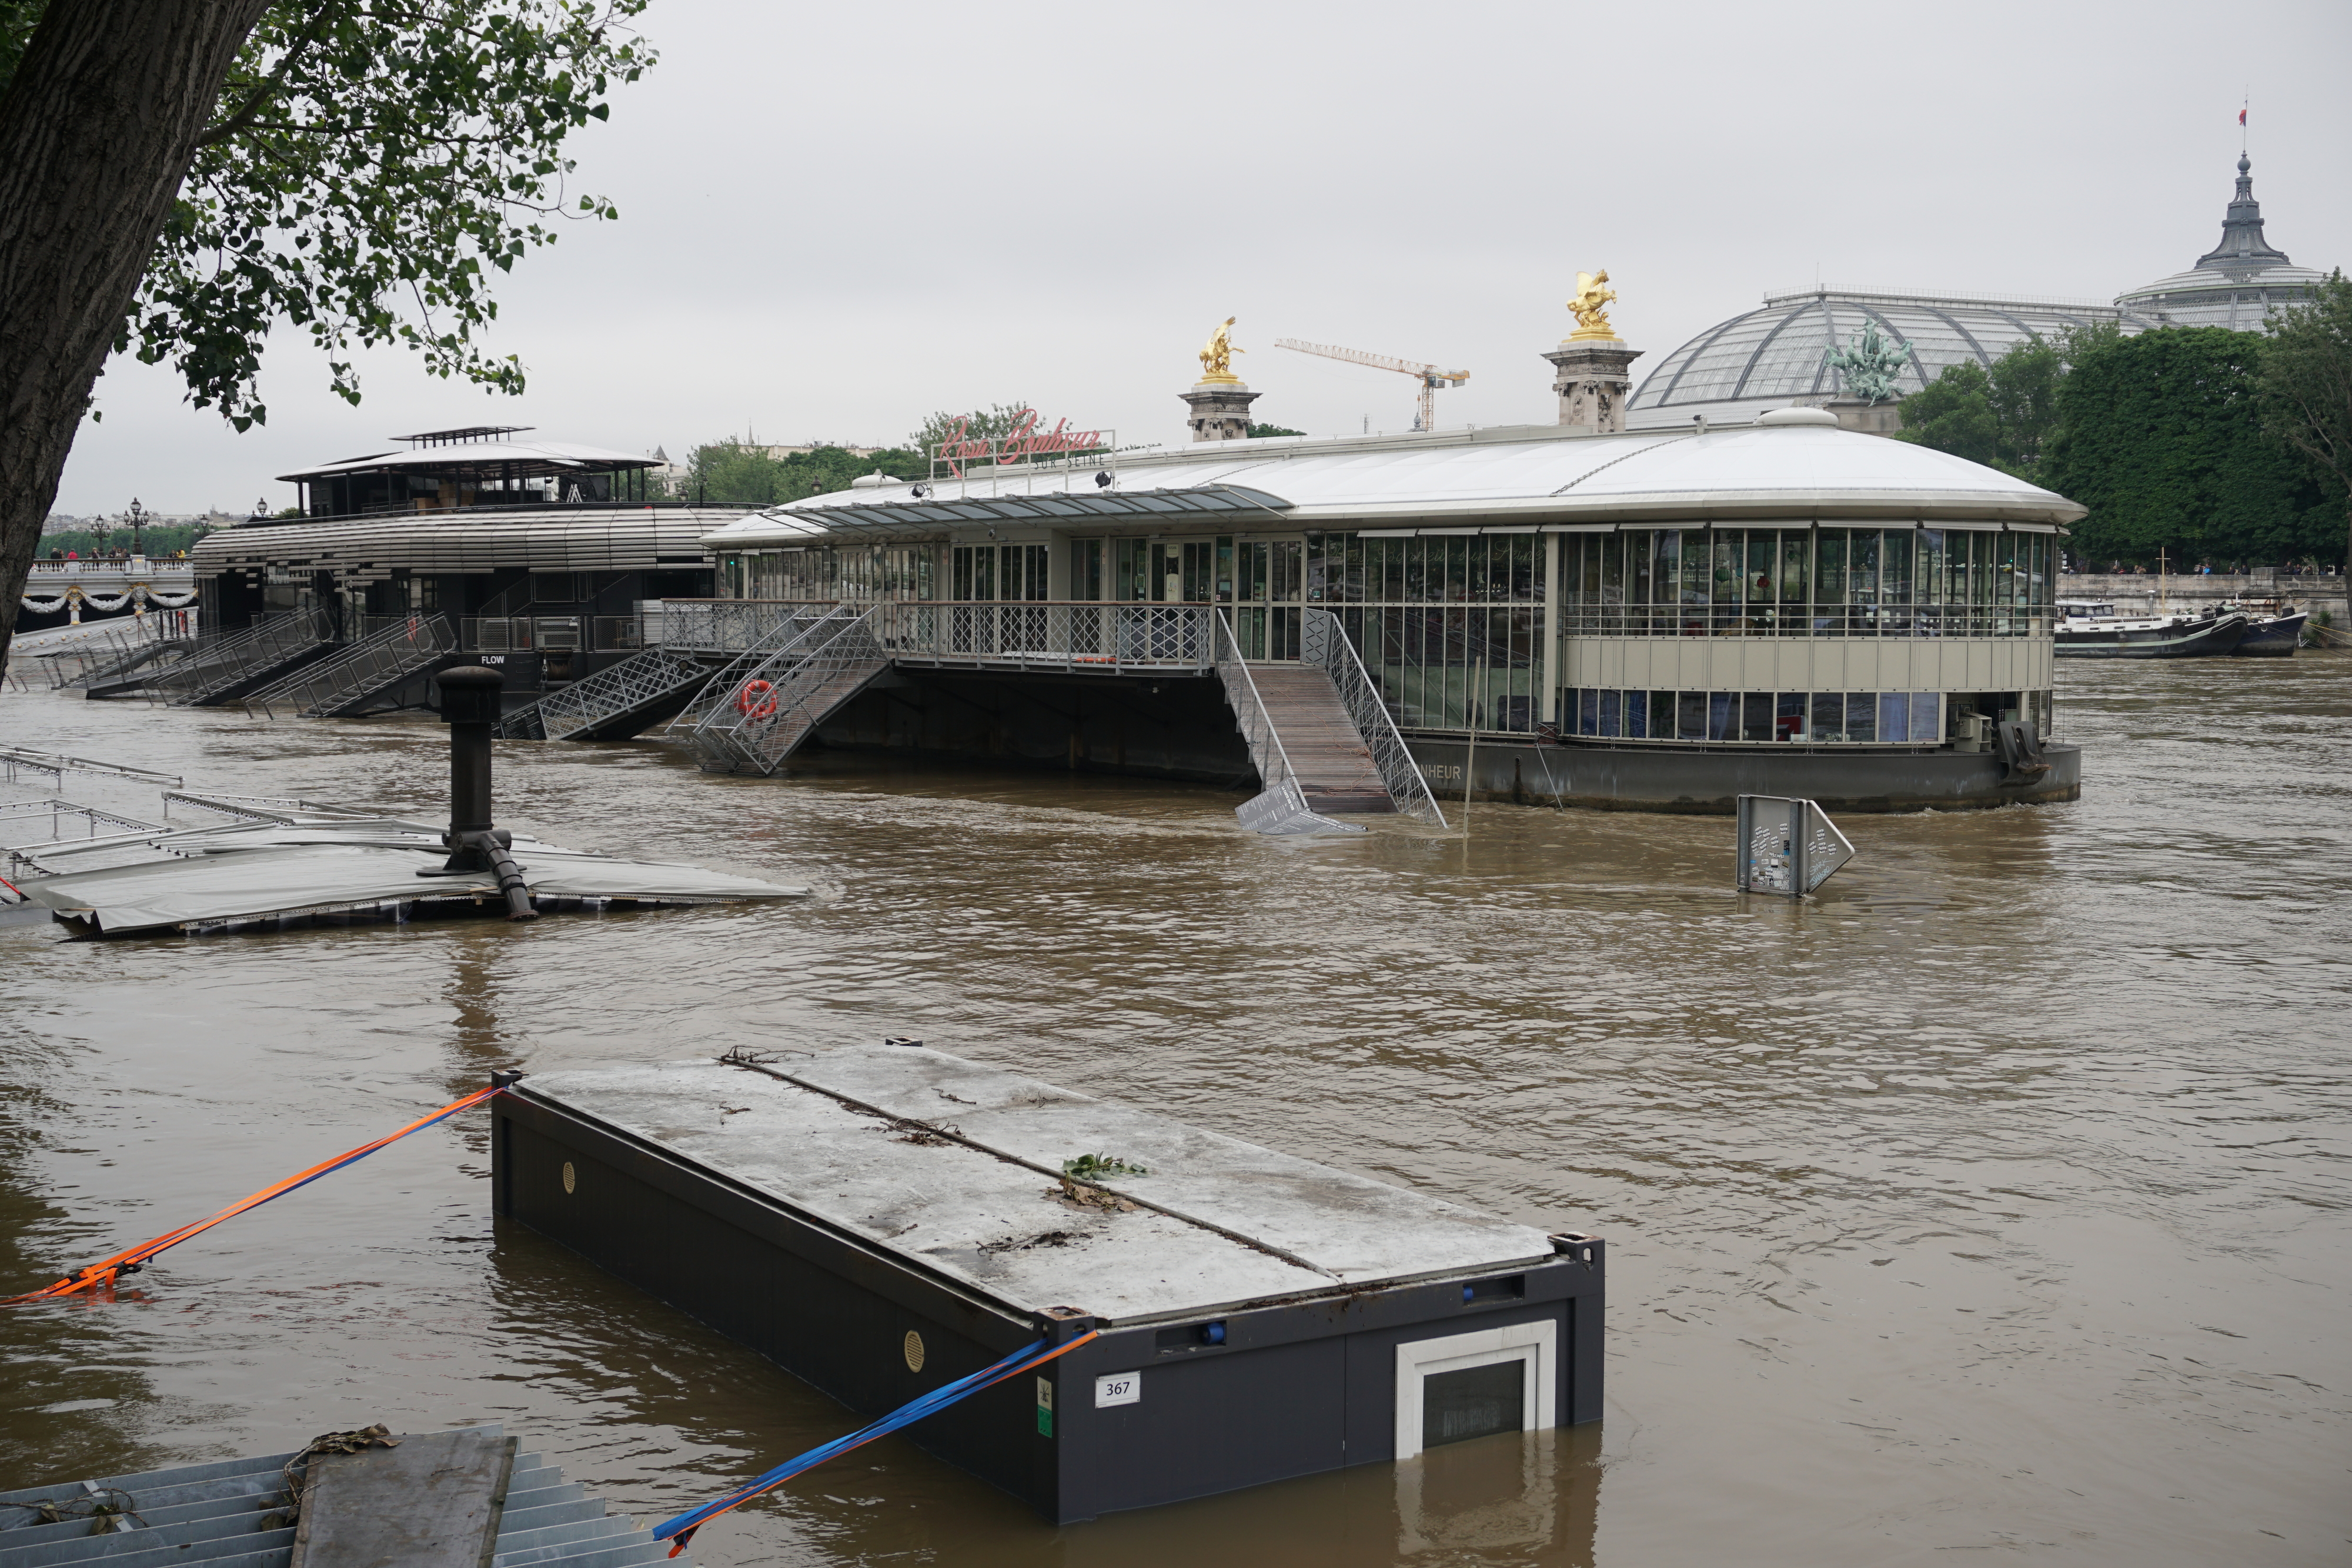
{"x":836,"y":220}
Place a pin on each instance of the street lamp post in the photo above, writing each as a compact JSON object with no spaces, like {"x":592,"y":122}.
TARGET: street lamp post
{"x":138,"y":527}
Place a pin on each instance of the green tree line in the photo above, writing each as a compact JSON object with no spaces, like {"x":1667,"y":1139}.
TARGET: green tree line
{"x":2208,"y":446}
{"x":159,"y":540}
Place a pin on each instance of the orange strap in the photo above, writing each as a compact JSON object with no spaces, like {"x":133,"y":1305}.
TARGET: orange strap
{"x":104,"y":1271}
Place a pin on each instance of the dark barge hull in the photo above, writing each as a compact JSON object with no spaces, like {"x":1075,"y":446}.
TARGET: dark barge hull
{"x":1298,"y":1386}
{"x":2194,"y":640}
{"x":2274,"y":639}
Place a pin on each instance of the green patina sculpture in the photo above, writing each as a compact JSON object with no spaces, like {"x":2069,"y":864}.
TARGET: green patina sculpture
{"x":1870,"y":363}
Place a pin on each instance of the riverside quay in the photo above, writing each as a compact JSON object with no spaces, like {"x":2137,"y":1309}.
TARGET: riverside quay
{"x":1646,"y":620}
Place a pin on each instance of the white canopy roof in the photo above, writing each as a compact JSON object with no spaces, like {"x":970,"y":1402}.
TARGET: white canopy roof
{"x":1532,"y":474}
{"x":536,"y":455}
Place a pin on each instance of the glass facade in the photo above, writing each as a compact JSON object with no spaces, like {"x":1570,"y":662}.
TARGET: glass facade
{"x":1806,"y":582}
{"x":1451,"y":625}
{"x":1879,"y":717}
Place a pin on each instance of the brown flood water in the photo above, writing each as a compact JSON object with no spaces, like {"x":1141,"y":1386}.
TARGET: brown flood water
{"x":1993,"y":1202}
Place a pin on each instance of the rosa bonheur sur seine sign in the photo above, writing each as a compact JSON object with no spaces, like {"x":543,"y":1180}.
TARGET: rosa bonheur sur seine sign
{"x":1022,"y":443}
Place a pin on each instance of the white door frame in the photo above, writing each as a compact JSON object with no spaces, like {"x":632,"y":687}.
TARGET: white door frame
{"x":1535,"y":1346}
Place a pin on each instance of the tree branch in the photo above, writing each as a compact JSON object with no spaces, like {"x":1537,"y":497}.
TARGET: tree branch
{"x":245,"y":112}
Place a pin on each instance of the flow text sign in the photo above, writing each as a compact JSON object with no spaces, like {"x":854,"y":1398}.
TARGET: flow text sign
{"x":1025,"y":443}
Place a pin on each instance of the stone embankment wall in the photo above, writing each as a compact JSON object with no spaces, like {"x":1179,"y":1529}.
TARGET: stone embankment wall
{"x":2133,"y":593}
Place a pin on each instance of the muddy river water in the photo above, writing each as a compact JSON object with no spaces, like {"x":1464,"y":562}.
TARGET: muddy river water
{"x":1992,"y":1202}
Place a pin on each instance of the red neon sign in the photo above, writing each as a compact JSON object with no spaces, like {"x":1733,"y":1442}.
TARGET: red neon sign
{"x":1025,"y":442}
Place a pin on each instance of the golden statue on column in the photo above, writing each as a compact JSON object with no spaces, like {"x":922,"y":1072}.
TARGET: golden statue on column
{"x":1591,"y":307}
{"x":1217,"y":358}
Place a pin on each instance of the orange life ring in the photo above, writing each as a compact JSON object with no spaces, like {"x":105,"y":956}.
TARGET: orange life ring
{"x":756,"y":700}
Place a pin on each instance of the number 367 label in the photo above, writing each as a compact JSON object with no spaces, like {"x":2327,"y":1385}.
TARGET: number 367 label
{"x":1119,"y":1388}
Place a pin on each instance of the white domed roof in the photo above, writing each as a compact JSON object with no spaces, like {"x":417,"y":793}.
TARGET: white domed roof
{"x":1529,"y":475}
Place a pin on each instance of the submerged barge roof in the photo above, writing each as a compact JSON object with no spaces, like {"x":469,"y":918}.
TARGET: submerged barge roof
{"x":954,"y":1167}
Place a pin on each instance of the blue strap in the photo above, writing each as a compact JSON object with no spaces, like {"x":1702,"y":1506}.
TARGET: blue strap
{"x":905,"y":1416}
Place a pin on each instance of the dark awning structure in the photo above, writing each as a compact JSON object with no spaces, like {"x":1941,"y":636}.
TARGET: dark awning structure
{"x":911,"y":518}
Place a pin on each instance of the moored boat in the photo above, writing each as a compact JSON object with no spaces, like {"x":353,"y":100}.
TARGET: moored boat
{"x":2270,"y":636}
{"x":2090,"y":629}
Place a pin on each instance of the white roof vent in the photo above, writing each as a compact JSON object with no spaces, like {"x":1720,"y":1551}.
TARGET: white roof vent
{"x":873,"y":481}
{"x":1798,"y":416}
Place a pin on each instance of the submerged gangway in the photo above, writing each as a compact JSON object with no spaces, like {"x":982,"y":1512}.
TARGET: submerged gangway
{"x":244,"y":660}
{"x":359,"y":674}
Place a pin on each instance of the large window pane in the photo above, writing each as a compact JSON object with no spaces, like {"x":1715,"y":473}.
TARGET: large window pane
{"x":1723,"y":715}
{"x":1756,"y":719}
{"x":1829,"y":714}
{"x":1927,"y":721}
{"x":1894,"y":715}
{"x":1724,"y":578}
{"x":1862,"y":716}
{"x":1690,"y":716}
{"x":1612,"y":712}
{"x":1588,"y":711}
{"x":1637,"y":716}
{"x":1796,"y":577}
{"x":1789,"y":716}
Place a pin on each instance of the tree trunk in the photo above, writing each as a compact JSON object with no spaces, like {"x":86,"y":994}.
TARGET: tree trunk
{"x":96,"y":133}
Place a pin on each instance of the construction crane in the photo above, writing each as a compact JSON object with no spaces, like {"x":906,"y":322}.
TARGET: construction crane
{"x":1429,"y":376}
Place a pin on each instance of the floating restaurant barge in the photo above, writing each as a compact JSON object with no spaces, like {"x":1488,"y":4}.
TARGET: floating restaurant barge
{"x":1647,"y":620}
{"x":473,"y":545}
{"x":882,"y":1220}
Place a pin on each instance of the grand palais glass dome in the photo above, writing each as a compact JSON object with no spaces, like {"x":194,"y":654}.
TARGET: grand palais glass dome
{"x":1781,"y":354}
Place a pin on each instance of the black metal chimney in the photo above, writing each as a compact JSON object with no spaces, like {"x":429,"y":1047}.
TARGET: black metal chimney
{"x":469,"y":703}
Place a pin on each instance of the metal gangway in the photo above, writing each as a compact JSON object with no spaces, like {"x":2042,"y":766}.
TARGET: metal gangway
{"x":246,"y":659}
{"x":360,"y":673}
{"x":759,"y":710}
{"x":1324,"y":645}
{"x":613,"y":704}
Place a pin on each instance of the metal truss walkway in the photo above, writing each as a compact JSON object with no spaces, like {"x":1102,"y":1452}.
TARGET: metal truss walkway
{"x":614,"y":704}
{"x":354,"y":677}
{"x":246,"y":660}
{"x":757,"y":711}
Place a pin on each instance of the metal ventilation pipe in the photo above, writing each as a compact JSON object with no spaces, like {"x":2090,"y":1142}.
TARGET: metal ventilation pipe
{"x":469,"y":703}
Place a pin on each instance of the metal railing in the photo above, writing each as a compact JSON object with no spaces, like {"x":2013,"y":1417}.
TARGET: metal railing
{"x":761,"y":717}
{"x":116,"y":651}
{"x":1101,"y":638}
{"x":788,"y":627}
{"x":731,"y":625}
{"x":642,"y":678}
{"x":1324,"y":644}
{"x":1078,"y":637}
{"x":213,"y":673}
{"x":407,"y":646}
{"x":1281,"y":806}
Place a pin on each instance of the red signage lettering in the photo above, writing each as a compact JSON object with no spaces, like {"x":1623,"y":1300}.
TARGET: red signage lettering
{"x":1025,"y":442}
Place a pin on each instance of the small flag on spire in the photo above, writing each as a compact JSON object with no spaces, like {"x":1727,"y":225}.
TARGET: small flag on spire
{"x":2242,"y":117}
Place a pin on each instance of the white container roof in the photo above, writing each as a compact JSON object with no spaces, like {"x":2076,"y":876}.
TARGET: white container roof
{"x":1530,"y":475}
{"x":954,"y":1166}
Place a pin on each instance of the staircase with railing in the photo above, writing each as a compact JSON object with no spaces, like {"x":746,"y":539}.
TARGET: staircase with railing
{"x":360,"y":673}
{"x":108,"y":662}
{"x":247,"y":660}
{"x":1324,"y":645}
{"x":757,"y":718}
{"x":615,"y":703}
{"x":1281,"y":806}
